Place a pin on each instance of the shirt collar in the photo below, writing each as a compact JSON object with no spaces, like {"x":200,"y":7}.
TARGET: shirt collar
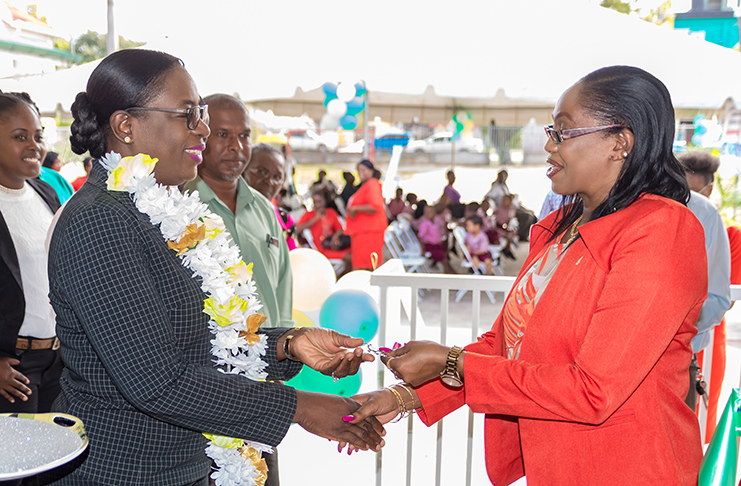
{"x":244,"y":193}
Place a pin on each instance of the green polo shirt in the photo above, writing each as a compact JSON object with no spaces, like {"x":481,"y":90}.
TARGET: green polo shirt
{"x":250,"y":228}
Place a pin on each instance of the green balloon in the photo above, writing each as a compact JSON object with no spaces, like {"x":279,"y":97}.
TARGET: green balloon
{"x":313,"y":381}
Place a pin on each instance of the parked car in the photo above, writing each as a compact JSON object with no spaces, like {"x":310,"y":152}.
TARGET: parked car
{"x":309,"y":140}
{"x":441,"y":143}
{"x":388,"y":141}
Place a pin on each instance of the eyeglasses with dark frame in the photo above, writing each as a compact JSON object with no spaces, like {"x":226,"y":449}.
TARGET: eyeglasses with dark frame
{"x":559,"y":136}
{"x":264,"y":174}
{"x":194,"y":115}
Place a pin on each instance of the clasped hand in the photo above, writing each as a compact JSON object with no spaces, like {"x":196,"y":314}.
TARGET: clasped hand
{"x":326,"y":351}
{"x":417,"y":361}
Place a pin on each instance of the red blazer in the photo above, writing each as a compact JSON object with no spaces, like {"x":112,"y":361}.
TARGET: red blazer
{"x":597,"y":396}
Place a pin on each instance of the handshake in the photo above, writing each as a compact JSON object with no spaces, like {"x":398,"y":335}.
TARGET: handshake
{"x":357,"y":422}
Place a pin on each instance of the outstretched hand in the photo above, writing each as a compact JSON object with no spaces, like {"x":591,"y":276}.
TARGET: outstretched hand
{"x":12,"y":382}
{"x":325,"y":350}
{"x":322,"y":415}
{"x":417,"y":361}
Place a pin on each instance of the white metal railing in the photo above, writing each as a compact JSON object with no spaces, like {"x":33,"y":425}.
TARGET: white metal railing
{"x":392,"y":275}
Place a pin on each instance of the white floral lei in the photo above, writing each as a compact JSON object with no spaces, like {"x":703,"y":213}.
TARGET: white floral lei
{"x":203,"y":245}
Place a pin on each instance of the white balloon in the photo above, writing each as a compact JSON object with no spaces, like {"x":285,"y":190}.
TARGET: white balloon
{"x":329,"y":122}
{"x":313,"y":278}
{"x":337,"y":108}
{"x":346,"y":91}
{"x":359,"y":280}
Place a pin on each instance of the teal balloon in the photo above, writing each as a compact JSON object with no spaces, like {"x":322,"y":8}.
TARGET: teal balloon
{"x":359,"y":89}
{"x":355,"y":105}
{"x":313,"y":381}
{"x":328,"y":99}
{"x":351,"y":312}
{"x":330,"y":89}
{"x":349,"y":122}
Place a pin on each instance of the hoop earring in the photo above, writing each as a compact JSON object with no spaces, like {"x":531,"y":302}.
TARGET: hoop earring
{"x":127,"y":139}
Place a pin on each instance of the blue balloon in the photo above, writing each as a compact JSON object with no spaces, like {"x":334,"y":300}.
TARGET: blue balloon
{"x":349,"y":122}
{"x":359,"y":89}
{"x":313,"y":381}
{"x":355,"y":105}
{"x":351,"y":312}
{"x":328,"y":99}
{"x":330,"y":89}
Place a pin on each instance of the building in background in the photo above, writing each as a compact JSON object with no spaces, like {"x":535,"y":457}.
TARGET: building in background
{"x":715,"y":21}
{"x":27,"y":45}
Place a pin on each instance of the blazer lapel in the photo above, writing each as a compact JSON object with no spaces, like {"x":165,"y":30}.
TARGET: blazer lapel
{"x":7,"y":252}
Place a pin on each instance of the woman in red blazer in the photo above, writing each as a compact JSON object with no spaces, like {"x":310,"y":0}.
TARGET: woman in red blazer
{"x":583,"y":375}
{"x":366,"y":219}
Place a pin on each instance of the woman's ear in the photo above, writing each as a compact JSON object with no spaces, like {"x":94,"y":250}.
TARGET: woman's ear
{"x":624,"y":142}
{"x":120,"y":122}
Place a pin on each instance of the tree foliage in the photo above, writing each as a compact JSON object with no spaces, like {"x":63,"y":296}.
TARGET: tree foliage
{"x":619,"y":5}
{"x":659,"y":15}
{"x":91,"y":45}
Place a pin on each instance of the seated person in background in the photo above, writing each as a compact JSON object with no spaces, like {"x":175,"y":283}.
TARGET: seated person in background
{"x":477,"y":244}
{"x":326,"y":231}
{"x":396,"y":205}
{"x":323,"y":185}
{"x":419,"y":213}
{"x":411,"y":204}
{"x":503,"y":214}
{"x":432,"y":241}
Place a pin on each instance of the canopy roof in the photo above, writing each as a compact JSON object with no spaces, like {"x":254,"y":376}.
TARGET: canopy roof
{"x":532,"y":50}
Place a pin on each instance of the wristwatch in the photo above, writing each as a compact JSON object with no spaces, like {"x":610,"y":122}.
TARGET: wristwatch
{"x":297,"y":331}
{"x":450,"y":375}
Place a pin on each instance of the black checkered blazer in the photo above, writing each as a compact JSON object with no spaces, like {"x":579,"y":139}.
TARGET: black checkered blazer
{"x":135,"y":342}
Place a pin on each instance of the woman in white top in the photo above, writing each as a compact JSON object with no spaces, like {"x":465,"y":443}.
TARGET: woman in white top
{"x":30,"y":365}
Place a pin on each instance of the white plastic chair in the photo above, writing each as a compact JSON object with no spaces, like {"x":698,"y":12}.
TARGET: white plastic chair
{"x":337,"y":263}
{"x":460,"y":242}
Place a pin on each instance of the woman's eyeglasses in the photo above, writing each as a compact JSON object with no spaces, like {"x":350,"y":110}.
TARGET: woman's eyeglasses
{"x":193,"y":115}
{"x":559,"y":136}
{"x":264,"y":174}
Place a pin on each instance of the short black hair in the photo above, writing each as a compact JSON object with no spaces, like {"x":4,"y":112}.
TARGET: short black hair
{"x":703,"y":164}
{"x":50,"y":158}
{"x":475,"y":219}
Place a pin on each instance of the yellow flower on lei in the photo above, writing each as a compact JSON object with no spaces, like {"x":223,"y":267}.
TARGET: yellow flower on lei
{"x":253,"y":325}
{"x":223,"y":441}
{"x":227,"y":314}
{"x":213,"y":225}
{"x":194,"y":234}
{"x":239,"y":274}
{"x":139,"y":166}
{"x":256,"y":460}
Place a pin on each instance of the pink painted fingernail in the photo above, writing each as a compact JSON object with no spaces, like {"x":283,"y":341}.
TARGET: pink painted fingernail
{"x":348,"y":418}
{"x":397,"y":345}
{"x":385,"y":350}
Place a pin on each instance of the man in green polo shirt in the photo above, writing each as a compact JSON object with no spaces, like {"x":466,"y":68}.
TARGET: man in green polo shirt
{"x":248,"y":216}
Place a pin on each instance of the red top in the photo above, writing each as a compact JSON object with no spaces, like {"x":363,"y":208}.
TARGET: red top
{"x":323,"y":229}
{"x":734,"y":238}
{"x":77,"y":183}
{"x":368,"y":193}
{"x":597,"y":396}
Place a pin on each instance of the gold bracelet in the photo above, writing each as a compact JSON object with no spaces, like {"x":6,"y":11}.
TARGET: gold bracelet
{"x":402,"y":408}
{"x":411,"y":409}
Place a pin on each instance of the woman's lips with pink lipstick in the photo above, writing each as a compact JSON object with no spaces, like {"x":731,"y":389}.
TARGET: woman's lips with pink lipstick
{"x":195,"y":153}
{"x":553,"y":169}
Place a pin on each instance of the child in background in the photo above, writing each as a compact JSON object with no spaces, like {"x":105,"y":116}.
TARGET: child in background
{"x":477,"y":244}
{"x":432,"y":241}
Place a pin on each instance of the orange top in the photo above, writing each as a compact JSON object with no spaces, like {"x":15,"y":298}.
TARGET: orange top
{"x":369,"y":193}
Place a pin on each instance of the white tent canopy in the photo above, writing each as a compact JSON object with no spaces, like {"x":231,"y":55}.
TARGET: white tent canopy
{"x":531,"y":49}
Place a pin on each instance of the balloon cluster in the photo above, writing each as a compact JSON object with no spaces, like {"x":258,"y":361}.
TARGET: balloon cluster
{"x":463,"y":122}
{"x":343,"y":102}
{"x":349,"y":306}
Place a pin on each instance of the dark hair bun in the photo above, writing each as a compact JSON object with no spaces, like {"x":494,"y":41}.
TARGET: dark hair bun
{"x":86,"y":134}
